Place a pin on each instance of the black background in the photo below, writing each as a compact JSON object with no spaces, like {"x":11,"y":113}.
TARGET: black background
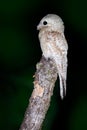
{"x":20,"y":51}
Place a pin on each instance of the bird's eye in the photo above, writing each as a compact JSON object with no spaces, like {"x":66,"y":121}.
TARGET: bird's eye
{"x":45,"y":22}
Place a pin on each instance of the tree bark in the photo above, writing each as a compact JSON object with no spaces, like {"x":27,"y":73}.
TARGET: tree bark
{"x":39,"y":102}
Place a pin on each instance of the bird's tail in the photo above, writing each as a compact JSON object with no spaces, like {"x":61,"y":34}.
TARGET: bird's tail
{"x":62,"y":86}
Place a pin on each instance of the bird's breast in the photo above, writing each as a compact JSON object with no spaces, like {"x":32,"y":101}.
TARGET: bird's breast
{"x":45,"y":42}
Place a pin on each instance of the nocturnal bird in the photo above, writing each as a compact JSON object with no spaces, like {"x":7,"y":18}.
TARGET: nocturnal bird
{"x":54,"y":46}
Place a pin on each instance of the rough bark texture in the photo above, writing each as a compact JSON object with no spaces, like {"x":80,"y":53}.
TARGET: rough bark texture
{"x":39,"y":102}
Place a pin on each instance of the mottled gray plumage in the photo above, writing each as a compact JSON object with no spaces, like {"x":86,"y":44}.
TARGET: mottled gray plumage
{"x":54,"y":45}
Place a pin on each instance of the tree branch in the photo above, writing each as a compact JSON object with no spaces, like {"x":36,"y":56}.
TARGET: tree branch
{"x":45,"y":78}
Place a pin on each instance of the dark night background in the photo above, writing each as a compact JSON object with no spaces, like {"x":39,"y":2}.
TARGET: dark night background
{"x":20,"y":51}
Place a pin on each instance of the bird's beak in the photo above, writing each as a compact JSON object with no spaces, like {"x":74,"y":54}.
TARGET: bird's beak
{"x":38,"y":27}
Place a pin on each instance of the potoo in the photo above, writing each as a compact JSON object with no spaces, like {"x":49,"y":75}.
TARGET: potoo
{"x":54,"y":45}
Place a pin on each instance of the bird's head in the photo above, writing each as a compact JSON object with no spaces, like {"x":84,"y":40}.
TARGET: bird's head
{"x":51,"y":22}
